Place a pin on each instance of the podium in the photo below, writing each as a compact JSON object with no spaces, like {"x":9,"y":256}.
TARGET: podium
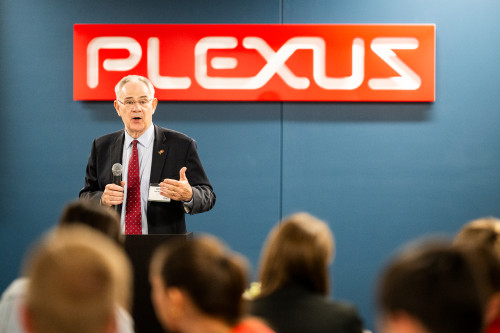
{"x":139,"y":249}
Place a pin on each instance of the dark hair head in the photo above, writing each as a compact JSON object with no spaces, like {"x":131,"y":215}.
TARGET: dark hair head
{"x":439,"y":285}
{"x":101,"y":218}
{"x":213,"y":277}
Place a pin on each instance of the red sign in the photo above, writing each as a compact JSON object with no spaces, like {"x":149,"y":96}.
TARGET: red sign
{"x":259,"y":62}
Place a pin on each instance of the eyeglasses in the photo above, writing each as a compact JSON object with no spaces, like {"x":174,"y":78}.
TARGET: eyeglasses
{"x":129,"y":103}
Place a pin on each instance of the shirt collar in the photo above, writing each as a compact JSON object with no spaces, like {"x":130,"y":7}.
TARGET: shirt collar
{"x":145,"y":140}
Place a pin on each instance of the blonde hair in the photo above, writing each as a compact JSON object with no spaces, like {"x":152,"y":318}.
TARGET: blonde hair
{"x":298,"y":250}
{"x":77,"y":278}
{"x":481,"y":232}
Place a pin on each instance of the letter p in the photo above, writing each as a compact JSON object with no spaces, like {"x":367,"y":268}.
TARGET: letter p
{"x":125,"y":64}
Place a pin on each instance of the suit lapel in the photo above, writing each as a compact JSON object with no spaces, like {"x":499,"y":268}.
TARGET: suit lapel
{"x":159,"y":155}
{"x":116,"y":148}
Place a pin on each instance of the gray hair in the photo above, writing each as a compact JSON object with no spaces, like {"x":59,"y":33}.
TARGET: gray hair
{"x":129,"y":78}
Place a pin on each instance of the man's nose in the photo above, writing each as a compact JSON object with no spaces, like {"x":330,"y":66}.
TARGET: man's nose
{"x":136,"y":106}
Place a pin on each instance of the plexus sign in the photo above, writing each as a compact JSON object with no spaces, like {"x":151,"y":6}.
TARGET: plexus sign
{"x":259,"y":62}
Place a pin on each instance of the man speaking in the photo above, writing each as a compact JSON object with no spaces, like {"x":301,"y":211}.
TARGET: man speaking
{"x":162,"y":175}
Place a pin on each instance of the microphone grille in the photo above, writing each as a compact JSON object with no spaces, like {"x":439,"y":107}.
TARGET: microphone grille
{"x":117,"y":169}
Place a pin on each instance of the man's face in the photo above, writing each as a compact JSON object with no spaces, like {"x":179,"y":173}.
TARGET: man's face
{"x":135,"y":106}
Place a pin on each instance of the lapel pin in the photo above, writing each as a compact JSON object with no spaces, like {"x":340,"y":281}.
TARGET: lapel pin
{"x":161,"y":151}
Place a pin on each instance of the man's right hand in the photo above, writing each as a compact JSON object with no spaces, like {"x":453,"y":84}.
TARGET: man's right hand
{"x":113,"y":194}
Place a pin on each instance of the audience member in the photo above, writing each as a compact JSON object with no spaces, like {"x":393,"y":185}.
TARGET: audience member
{"x":76,"y":278}
{"x":432,"y":288}
{"x":101,"y":218}
{"x":485,"y":233}
{"x":84,"y":212}
{"x":295,"y":280}
{"x":197,"y":286}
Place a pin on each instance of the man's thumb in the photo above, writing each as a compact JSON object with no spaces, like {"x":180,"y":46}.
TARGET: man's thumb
{"x":182,"y":174}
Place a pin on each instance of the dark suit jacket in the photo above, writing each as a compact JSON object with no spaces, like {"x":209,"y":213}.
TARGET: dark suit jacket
{"x":294,"y":309}
{"x":172,"y":151}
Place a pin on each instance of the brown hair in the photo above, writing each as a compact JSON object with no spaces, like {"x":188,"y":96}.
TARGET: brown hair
{"x":437,"y":284}
{"x":101,"y":218}
{"x":298,"y":250}
{"x":213,"y":277}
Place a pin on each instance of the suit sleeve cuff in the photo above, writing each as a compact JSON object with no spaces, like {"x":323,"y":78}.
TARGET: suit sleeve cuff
{"x":188,"y":205}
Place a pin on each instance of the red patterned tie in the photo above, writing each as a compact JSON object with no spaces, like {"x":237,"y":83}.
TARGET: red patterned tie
{"x":133,"y":225}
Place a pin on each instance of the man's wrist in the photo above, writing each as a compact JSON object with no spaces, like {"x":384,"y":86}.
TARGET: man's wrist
{"x":188,"y":205}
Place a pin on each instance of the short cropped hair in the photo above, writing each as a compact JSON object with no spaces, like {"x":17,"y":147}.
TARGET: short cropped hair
{"x":101,"y":218}
{"x":77,"y":278}
{"x":438,"y":284}
{"x":213,"y":277}
{"x":297,"y":250}
{"x":139,"y":78}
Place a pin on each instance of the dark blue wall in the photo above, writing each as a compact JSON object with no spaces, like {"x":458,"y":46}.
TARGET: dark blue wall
{"x":380,"y":174}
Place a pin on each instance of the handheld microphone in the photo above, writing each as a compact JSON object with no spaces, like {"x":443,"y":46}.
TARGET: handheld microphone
{"x":117,"y":177}
{"x":117,"y":173}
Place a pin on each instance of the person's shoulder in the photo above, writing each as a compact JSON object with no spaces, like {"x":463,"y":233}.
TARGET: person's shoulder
{"x":108,"y":139}
{"x":10,"y":302}
{"x":110,"y":136}
{"x":16,"y":290}
{"x":124,"y":321}
{"x":344,"y":313}
{"x":343,"y":307}
{"x":172,"y":134}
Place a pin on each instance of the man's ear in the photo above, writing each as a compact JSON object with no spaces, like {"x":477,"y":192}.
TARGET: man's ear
{"x":115,"y":103}
{"x":155,"y":103}
{"x":175,"y":313}
{"x":111,"y":326}
{"x":493,"y":308}
{"x":27,"y":320}
{"x":176,"y":296}
{"x":401,"y":322}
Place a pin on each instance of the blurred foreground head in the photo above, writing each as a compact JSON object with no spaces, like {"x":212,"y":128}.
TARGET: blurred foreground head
{"x":197,"y":280}
{"x":101,"y":218}
{"x":483,"y":236}
{"x":298,"y":250}
{"x":432,"y":287}
{"x":78,"y":277}
{"x":481,"y":232}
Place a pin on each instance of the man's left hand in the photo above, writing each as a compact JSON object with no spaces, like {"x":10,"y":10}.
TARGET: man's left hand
{"x":178,"y":190}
